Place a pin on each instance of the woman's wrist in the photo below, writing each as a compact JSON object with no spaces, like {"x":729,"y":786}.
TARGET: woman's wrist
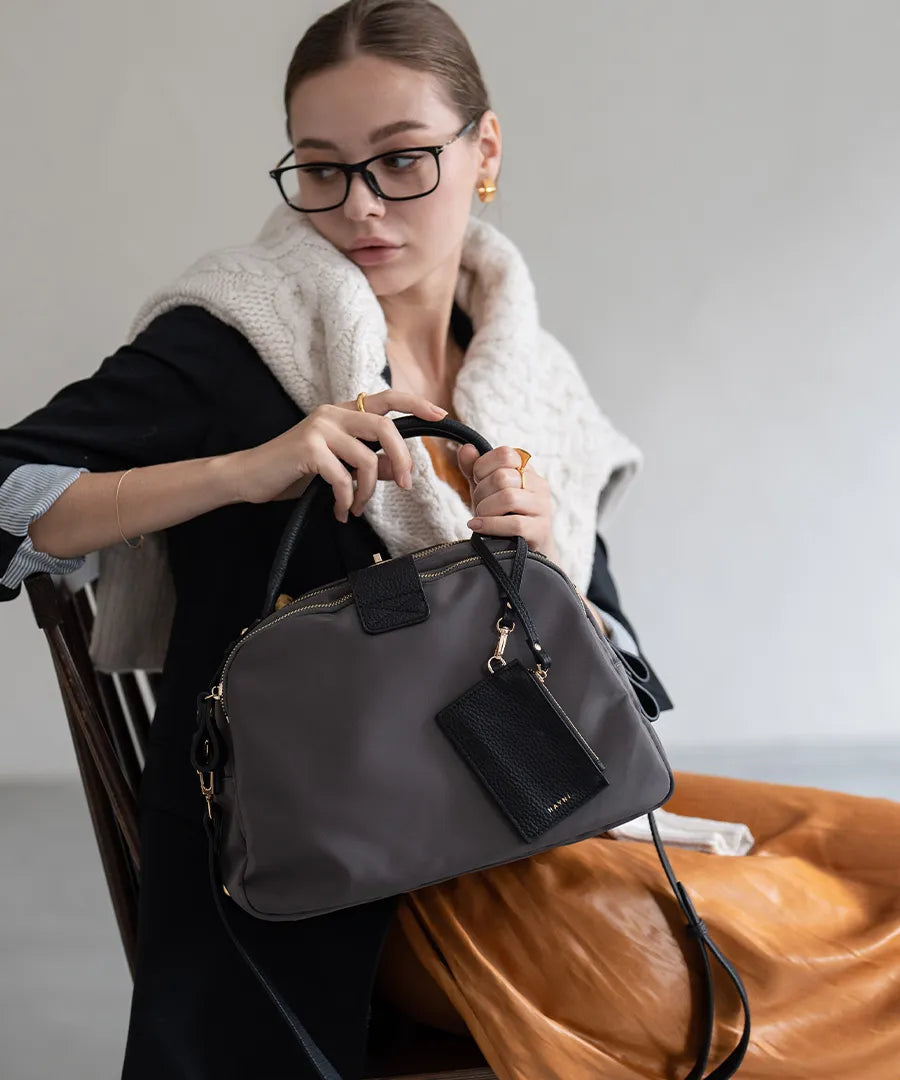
{"x":223,"y":478}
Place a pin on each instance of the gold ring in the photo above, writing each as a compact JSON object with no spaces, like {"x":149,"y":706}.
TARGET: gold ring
{"x":525,"y":458}
{"x":361,"y":401}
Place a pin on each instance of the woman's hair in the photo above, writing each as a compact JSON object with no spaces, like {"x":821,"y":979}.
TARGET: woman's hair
{"x":416,"y":33}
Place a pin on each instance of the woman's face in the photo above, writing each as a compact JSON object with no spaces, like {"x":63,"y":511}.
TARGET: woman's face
{"x":336,"y":115}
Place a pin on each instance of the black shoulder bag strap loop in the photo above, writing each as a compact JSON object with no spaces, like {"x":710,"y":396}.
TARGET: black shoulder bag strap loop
{"x":509,"y":590}
{"x":696,"y":929}
{"x":323,"y":1067}
{"x":695,"y":926}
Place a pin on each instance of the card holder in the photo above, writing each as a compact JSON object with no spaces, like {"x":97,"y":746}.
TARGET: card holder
{"x":523,"y":748}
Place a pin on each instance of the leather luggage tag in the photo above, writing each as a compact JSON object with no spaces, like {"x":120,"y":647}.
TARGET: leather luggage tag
{"x":523,"y":748}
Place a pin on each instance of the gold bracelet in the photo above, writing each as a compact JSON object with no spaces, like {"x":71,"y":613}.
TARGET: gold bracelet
{"x":140,"y":542}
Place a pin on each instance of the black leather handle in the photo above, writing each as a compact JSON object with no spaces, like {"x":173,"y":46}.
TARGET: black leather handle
{"x":409,"y":427}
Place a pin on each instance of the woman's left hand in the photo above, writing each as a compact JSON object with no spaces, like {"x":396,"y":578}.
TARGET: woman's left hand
{"x":502,"y":506}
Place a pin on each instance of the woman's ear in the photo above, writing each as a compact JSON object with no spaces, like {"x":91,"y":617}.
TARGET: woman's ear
{"x":490,"y":146}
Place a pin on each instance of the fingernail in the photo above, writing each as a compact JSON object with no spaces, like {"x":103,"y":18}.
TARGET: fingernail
{"x":438,"y":409}
{"x":474,"y":523}
{"x":406,"y":480}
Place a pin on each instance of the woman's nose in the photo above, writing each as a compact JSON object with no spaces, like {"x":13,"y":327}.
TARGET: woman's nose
{"x":362,"y":202}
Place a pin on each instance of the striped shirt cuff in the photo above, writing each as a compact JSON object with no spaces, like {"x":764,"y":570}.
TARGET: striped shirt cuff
{"x":25,"y":495}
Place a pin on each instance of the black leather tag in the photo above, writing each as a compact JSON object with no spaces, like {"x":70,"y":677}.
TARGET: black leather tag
{"x":523,"y":748}
{"x":389,"y":595}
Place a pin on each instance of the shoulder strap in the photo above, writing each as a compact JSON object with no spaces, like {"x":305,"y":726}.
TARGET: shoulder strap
{"x":696,"y":929}
{"x":695,"y":926}
{"x":323,"y":1067}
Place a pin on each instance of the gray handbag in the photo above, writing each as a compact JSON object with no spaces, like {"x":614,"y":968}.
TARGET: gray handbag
{"x":424,"y":717}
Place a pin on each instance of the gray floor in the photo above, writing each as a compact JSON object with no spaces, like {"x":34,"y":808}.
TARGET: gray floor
{"x":64,"y":986}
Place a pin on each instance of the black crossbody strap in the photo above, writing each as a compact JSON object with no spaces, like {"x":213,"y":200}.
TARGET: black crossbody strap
{"x":696,"y":928}
{"x":318,"y":1060}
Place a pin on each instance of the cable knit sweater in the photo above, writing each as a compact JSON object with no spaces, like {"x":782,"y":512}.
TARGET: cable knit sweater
{"x":316,"y":323}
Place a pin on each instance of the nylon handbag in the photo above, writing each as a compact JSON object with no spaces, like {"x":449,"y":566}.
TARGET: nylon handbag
{"x":423,"y":717}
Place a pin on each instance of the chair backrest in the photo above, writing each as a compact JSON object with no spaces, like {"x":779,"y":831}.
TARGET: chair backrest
{"x":109,"y":719}
{"x":108,"y":749}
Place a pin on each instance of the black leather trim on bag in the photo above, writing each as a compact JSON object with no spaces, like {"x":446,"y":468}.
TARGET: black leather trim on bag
{"x":388,"y":595}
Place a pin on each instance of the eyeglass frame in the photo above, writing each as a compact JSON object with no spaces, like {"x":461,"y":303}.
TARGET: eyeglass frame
{"x":361,"y":167}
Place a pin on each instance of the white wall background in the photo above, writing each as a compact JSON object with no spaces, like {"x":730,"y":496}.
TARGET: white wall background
{"x":707,"y":194}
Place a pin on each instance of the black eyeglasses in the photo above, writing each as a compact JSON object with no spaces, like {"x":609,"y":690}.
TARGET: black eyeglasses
{"x":397,"y":175}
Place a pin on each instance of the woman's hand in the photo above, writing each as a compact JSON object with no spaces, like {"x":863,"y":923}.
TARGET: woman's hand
{"x":502,"y":506}
{"x":321,"y":443}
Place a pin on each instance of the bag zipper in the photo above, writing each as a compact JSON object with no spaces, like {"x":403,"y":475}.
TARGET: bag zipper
{"x":565,"y":718}
{"x":299,"y":607}
{"x":418,"y":555}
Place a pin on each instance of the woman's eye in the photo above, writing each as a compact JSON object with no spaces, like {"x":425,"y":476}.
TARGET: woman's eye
{"x":401,"y":162}
{"x":319,"y":172}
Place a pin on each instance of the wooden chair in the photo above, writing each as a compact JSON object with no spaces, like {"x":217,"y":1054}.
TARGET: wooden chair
{"x":109,"y":720}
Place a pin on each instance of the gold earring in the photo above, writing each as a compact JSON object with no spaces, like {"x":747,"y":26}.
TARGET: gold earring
{"x":486,"y":191}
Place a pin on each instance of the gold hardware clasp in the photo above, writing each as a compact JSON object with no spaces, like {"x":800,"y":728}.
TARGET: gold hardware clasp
{"x":496,"y":661}
{"x":207,"y":787}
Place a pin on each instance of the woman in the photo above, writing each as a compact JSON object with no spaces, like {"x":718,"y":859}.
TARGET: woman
{"x":370,"y":290}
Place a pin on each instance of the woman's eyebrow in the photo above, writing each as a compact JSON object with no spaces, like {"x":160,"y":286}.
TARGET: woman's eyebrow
{"x":310,"y":143}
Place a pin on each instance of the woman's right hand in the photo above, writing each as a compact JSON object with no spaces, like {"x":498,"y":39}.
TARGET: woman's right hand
{"x":329,"y":436}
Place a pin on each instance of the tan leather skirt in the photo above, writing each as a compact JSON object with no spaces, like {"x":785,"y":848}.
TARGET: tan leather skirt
{"x":574,"y":964}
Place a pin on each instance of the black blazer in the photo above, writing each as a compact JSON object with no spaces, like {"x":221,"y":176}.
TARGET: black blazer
{"x":190,"y":386}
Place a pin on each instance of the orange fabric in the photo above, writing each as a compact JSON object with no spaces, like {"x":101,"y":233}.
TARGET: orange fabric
{"x":574,"y":965}
{"x":445,"y":465}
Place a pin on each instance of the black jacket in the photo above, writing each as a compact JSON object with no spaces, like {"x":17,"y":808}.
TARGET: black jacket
{"x":190,"y":386}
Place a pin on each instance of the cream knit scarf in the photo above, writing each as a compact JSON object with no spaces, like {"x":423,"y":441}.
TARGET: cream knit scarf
{"x":314,"y":320}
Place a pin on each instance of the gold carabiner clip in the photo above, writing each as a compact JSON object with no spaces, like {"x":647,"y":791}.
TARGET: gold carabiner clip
{"x":497,"y":655}
{"x":207,"y":787}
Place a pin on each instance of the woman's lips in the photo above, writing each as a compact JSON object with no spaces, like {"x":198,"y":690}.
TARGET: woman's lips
{"x":371,"y":256}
